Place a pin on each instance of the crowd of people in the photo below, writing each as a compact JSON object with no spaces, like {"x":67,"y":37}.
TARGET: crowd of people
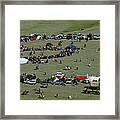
{"x":26,"y":48}
{"x":39,"y":59}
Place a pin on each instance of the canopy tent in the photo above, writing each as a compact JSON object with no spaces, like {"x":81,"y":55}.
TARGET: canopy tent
{"x":94,"y":78}
{"x":71,"y":46}
{"x":81,"y":76}
{"x":23,"y":60}
{"x":94,"y":81}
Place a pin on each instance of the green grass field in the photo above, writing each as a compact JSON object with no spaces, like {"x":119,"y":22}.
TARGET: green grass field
{"x":51,"y":67}
{"x":58,"y":26}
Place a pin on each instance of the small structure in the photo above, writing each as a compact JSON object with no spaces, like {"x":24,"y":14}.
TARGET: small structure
{"x":94,"y":81}
{"x":23,"y":60}
{"x":72,"y":47}
{"x":94,"y":86}
{"x":81,"y":76}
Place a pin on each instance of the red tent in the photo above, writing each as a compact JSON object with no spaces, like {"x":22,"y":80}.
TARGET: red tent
{"x":81,"y":76}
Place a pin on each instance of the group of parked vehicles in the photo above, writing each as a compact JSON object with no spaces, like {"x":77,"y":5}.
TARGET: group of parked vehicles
{"x":92,"y":82}
{"x":60,"y":36}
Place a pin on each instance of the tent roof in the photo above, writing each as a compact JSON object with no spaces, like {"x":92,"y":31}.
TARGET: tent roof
{"x":94,"y":78}
{"x":23,"y":60}
{"x":71,"y":46}
{"x":80,"y":74}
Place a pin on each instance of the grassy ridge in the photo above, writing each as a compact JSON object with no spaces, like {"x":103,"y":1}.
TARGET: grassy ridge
{"x":56,"y":26}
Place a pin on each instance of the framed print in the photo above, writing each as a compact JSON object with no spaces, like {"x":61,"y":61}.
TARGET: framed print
{"x":59,"y":60}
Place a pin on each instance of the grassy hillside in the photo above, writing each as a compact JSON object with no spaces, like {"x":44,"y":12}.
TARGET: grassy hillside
{"x":57,"y":26}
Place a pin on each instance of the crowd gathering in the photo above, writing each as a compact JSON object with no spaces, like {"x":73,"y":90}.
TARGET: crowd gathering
{"x":44,"y":59}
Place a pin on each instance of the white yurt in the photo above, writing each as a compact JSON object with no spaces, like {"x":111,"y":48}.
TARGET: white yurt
{"x":23,"y":60}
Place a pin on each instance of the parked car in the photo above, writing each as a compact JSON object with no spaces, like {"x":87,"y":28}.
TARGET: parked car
{"x":68,"y":81}
{"x":44,"y":85}
{"x":33,"y":81}
{"x":91,"y":90}
{"x":57,"y":82}
{"x":86,"y":81}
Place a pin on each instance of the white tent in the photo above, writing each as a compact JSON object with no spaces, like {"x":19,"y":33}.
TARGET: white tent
{"x":93,"y":78}
{"x":23,"y":60}
{"x":94,"y":81}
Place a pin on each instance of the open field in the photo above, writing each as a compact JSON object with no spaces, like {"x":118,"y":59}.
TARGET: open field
{"x":63,"y":91}
{"x":58,"y":26}
{"x":51,"y":67}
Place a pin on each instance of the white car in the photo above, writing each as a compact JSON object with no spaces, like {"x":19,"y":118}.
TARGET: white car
{"x":59,"y":73}
{"x":33,"y":81}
